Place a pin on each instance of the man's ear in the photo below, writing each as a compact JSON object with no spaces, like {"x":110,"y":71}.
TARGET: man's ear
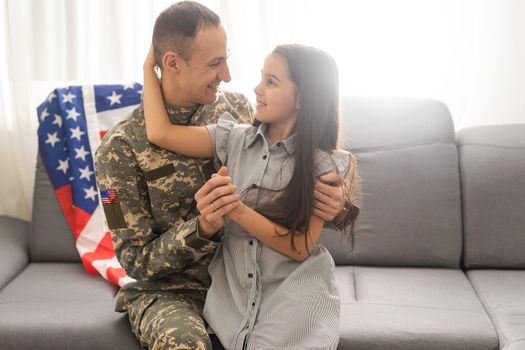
{"x":171,"y":61}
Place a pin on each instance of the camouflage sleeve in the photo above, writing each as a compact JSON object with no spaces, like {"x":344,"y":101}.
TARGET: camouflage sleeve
{"x":143,"y":252}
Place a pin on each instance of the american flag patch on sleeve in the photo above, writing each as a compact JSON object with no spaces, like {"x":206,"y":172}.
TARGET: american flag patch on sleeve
{"x":112,"y":209}
{"x":109,"y":197}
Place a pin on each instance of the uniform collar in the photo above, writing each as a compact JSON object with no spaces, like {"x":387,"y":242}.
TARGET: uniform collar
{"x":182,"y":115}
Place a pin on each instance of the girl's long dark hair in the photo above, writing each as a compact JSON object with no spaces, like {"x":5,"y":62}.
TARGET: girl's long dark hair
{"x":316,"y":78}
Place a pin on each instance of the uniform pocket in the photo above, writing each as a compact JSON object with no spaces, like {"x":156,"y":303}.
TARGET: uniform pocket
{"x":163,"y":194}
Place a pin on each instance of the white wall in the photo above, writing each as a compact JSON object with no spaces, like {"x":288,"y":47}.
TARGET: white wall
{"x":498,"y":85}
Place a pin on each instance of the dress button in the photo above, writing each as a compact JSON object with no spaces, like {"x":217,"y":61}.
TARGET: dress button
{"x":265,"y":156}
{"x":250,"y":275}
{"x":254,"y":186}
{"x":279,"y":144}
{"x":253,"y":304}
{"x":250,"y":242}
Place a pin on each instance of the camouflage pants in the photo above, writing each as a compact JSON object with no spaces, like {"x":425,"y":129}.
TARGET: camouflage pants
{"x":169,"y":322}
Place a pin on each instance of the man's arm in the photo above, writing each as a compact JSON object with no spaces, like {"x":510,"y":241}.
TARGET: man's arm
{"x":142,"y":251}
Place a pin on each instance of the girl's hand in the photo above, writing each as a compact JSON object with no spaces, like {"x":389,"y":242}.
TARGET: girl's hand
{"x":150,"y":62}
{"x":237,"y":211}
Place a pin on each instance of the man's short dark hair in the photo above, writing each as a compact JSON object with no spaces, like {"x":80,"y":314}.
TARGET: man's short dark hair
{"x":176,"y":27}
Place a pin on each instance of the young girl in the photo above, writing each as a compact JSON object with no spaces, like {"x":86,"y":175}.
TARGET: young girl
{"x":272,"y":285}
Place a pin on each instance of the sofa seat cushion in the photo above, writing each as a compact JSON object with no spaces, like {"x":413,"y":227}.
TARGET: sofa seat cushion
{"x":502,"y":292}
{"x":59,"y":306}
{"x":13,"y":248}
{"x":411,"y":308}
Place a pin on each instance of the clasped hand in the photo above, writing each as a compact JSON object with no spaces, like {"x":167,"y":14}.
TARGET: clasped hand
{"x":217,"y":198}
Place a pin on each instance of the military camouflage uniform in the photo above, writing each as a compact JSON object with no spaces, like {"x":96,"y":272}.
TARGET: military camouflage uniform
{"x":153,"y":223}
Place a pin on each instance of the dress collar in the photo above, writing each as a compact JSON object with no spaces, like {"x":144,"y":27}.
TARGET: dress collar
{"x":289,"y":142}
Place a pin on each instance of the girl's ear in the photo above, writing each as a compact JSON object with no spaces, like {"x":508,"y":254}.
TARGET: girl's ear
{"x":170,"y":61}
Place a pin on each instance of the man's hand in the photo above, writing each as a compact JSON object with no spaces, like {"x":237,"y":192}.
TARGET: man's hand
{"x":328,"y":193}
{"x":216,"y":198}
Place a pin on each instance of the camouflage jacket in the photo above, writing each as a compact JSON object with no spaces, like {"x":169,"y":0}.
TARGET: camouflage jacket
{"x":153,"y":216}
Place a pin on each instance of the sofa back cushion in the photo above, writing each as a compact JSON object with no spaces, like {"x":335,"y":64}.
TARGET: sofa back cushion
{"x":51,"y":237}
{"x":408,"y":165}
{"x":492,"y":167}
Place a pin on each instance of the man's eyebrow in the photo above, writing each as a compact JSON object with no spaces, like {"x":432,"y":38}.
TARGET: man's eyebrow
{"x":219,"y":58}
{"x":216,"y":59}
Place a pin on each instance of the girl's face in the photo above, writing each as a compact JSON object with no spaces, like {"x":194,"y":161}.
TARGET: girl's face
{"x":277,"y":100}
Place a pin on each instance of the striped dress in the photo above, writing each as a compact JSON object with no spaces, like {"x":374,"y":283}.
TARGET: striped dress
{"x":260,"y":298}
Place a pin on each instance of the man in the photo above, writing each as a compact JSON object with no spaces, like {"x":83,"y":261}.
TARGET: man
{"x":158,"y":235}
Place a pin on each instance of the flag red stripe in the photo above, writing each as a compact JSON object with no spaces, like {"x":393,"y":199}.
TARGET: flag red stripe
{"x":114,"y":275}
{"x":76,"y":217}
{"x":81,"y":219}
{"x":104,"y":251}
{"x":66,"y":202}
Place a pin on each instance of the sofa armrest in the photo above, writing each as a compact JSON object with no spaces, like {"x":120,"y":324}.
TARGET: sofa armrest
{"x":14,"y":251}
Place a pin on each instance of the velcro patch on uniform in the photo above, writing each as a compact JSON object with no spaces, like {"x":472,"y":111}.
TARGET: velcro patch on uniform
{"x":112,"y":209}
{"x":163,"y":171}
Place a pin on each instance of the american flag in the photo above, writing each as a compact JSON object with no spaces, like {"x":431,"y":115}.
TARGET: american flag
{"x":72,"y":121}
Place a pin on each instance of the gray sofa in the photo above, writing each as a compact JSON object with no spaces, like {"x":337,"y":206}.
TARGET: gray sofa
{"x":437,"y":260}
